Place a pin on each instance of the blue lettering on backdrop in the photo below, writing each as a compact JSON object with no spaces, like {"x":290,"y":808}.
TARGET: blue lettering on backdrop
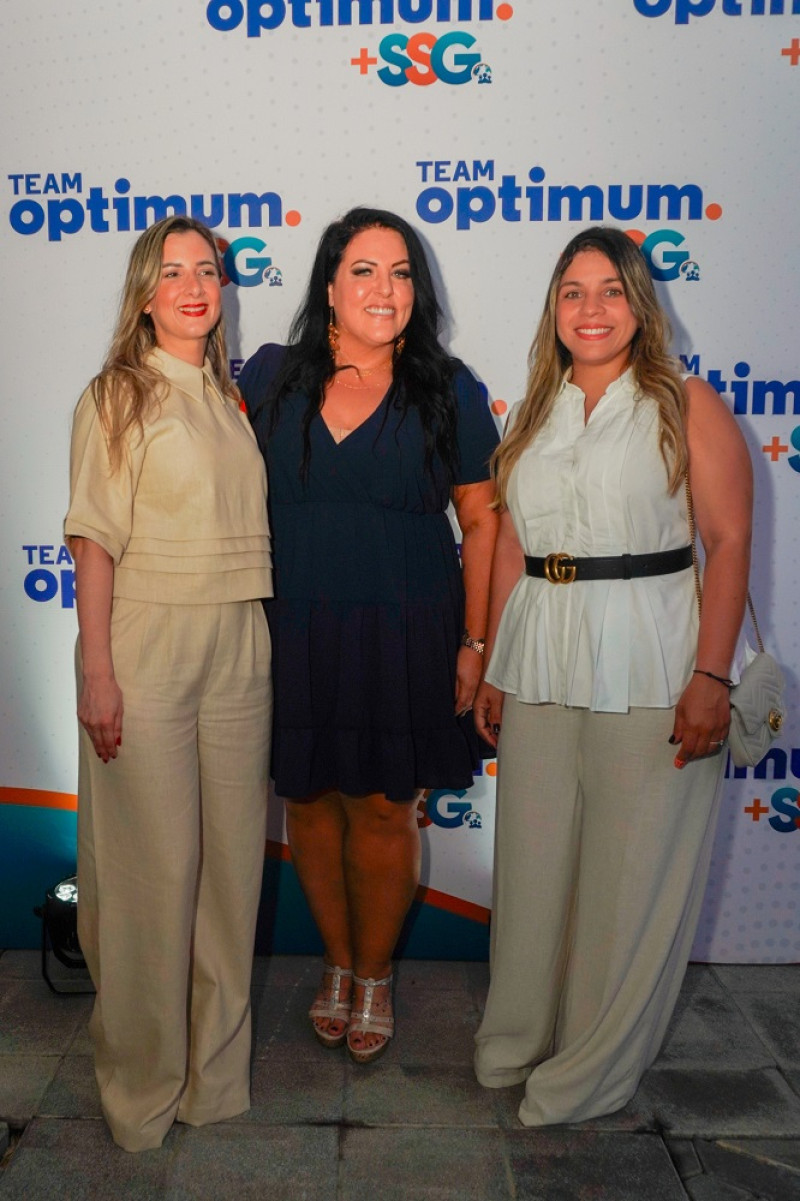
{"x":781,"y":763}
{"x":750,"y":396}
{"x":44,"y":583}
{"x":265,"y":15}
{"x":786,"y":803}
{"x":27,"y":183}
{"x":444,"y":171}
{"x":122,"y":212}
{"x":476,"y":203}
{"x":685,"y":9}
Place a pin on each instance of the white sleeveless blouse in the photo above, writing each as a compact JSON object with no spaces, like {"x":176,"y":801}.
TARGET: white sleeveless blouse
{"x":598,"y":488}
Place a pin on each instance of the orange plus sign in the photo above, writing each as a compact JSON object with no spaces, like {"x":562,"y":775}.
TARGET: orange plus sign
{"x":363,"y":62}
{"x":775,"y":449}
{"x":757,"y":809}
{"x":792,"y":51}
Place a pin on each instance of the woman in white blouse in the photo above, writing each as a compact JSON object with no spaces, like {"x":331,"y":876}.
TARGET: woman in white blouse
{"x":168,"y":528}
{"x":606,"y":692}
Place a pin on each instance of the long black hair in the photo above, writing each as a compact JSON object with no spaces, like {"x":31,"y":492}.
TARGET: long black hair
{"x":423,"y":372}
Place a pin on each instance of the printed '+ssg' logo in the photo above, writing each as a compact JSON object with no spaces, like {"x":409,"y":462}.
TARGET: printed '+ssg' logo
{"x":424,"y":58}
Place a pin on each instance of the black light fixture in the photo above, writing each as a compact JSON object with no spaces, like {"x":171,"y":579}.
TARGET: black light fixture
{"x":59,"y":915}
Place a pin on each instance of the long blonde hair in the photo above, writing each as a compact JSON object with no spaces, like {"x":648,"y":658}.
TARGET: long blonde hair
{"x":127,"y":387}
{"x":655,"y":372}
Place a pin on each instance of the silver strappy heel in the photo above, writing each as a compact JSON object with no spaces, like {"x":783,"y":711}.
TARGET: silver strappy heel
{"x":374,"y":1017}
{"x":332,"y":1005}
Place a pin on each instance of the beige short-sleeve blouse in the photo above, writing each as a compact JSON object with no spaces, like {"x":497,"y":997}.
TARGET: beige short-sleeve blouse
{"x":185,"y":516}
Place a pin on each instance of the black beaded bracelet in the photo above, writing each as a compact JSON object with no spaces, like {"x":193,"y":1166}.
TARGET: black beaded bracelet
{"x":698,"y":671}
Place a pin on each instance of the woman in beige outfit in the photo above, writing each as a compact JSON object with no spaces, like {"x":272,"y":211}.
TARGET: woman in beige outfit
{"x":167,"y":525}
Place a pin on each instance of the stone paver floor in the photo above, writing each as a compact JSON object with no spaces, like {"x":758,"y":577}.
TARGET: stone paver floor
{"x":717,"y":1118}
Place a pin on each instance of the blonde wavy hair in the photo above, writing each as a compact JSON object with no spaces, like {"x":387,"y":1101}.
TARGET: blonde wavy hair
{"x":655,"y":372}
{"x":127,"y":388}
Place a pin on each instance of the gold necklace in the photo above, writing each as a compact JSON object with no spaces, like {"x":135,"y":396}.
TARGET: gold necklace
{"x":360,"y":371}
{"x":355,"y":387}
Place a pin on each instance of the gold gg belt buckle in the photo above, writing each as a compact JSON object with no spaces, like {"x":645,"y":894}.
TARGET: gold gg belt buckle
{"x":555,"y":571}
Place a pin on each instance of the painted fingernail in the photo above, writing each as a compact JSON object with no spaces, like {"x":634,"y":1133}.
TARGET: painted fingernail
{"x":495,"y":729}
{"x":679,"y":763}
{"x":672,"y":740}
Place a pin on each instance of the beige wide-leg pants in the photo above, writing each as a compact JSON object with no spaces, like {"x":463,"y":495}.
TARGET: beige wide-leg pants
{"x":170,"y":856}
{"x":601,"y":856}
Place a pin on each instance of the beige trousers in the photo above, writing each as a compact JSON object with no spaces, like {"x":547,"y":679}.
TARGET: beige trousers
{"x":170,"y":857}
{"x":601,"y":856}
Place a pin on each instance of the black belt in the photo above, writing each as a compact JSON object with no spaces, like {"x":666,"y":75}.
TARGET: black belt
{"x":561,"y":568}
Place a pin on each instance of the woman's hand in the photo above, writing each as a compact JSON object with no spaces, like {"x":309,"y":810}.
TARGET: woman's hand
{"x":468,"y":676}
{"x":488,"y":712}
{"x":100,"y":713}
{"x":702,"y":720}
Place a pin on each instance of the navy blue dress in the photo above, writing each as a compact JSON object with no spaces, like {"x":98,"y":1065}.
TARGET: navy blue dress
{"x":369,"y":603}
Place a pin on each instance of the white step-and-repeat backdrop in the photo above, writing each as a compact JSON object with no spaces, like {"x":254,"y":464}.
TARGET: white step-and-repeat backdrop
{"x":498,"y":129}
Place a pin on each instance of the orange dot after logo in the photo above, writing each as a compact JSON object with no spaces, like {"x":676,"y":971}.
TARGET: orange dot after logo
{"x":491,"y":768}
{"x":504,"y":12}
{"x":293,"y":217}
{"x":499,"y":407}
{"x":714,"y":212}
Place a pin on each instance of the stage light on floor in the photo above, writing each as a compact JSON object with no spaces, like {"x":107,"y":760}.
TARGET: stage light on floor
{"x":59,"y":916}
{"x":67,"y":890}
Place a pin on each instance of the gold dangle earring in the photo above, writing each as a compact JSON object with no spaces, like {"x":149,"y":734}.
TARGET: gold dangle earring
{"x":333,"y":333}
{"x":398,"y":347}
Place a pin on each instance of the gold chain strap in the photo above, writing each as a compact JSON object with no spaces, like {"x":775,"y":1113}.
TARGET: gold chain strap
{"x":755,"y":622}
{"x":697,"y":587}
{"x":693,"y":535}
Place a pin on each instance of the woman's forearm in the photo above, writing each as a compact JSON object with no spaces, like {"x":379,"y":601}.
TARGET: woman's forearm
{"x":721,"y":480}
{"x":724,"y":594}
{"x":477,"y":549}
{"x":507,"y":566}
{"x":100,"y":703}
{"x":94,"y":574}
{"x":478,"y":524}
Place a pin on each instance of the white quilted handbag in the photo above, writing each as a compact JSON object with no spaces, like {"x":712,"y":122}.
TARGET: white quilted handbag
{"x":757,"y":708}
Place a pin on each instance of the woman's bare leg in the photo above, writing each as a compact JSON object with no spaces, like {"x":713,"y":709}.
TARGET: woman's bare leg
{"x":316,"y":831}
{"x":381,"y":873}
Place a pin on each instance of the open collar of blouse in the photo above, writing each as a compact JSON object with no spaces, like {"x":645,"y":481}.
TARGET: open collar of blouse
{"x":624,"y":381}
{"x":196,"y":382}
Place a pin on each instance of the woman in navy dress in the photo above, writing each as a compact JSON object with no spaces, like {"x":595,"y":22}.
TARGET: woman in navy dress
{"x":369,"y":429}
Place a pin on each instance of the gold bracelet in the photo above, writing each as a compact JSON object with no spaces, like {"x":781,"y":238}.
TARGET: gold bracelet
{"x":474,"y":644}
